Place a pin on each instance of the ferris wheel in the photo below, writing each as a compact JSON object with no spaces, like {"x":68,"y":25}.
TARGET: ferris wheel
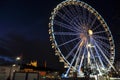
{"x":81,"y":38}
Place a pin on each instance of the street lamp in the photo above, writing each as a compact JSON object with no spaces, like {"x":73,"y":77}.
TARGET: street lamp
{"x":18,"y":58}
{"x":13,"y":65}
{"x":18,"y":61}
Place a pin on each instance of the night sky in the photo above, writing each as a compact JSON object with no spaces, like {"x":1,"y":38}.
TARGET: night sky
{"x":24,"y":27}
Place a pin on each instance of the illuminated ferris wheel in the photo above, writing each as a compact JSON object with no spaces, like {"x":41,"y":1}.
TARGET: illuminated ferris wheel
{"x":81,"y":38}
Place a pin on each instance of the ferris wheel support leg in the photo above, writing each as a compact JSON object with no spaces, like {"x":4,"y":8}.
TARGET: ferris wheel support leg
{"x":78,"y":58}
{"x":95,"y":62}
{"x":72,"y":62}
{"x":99,"y":58}
{"x":82,"y":60}
{"x":70,"y":53}
{"x":81,"y":63}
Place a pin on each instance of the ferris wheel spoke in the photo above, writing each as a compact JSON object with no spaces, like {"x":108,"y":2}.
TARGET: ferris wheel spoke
{"x":103,"y":48}
{"x":80,"y":15}
{"x":102,"y":43}
{"x":81,"y":62}
{"x":105,"y":61}
{"x":72,"y":10}
{"x":96,"y":27}
{"x":78,"y":57}
{"x":80,"y":21}
{"x":66,"y":33}
{"x":84,"y":16}
{"x":93,"y":22}
{"x":99,"y":32}
{"x":100,"y":37}
{"x":67,"y":12}
{"x":106,"y":46}
{"x":78,"y":10}
{"x":76,"y":21}
{"x":68,"y":41}
{"x":97,"y":67}
{"x":106,"y":51}
{"x":64,"y":25}
{"x":99,"y":57}
{"x":78,"y":27}
{"x":71,"y":52}
{"x":89,"y":18}
{"x":62,"y":16}
{"x":65,"y":18}
{"x":72,"y":61}
{"x":105,"y":56}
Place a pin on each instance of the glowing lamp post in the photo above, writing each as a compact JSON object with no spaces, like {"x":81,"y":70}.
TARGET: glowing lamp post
{"x":18,"y":61}
{"x":18,"y":58}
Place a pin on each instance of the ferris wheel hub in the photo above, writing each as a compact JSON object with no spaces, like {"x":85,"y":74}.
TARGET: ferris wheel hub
{"x":90,"y":32}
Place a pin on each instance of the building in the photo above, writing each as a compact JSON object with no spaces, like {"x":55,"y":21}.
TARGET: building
{"x":6,"y":71}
